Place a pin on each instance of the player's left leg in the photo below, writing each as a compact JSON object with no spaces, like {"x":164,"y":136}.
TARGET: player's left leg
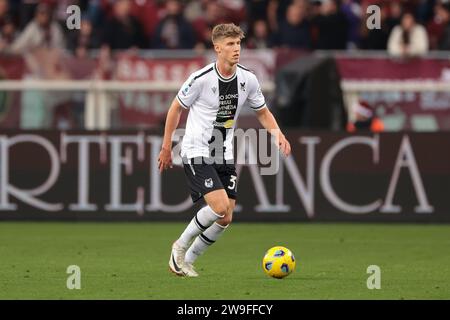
{"x":207,"y":238}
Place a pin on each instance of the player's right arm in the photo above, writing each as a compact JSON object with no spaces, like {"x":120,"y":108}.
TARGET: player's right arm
{"x":187,"y":95}
{"x":172,"y":121}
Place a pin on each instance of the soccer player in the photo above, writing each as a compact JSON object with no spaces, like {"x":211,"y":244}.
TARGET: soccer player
{"x":214,"y":97}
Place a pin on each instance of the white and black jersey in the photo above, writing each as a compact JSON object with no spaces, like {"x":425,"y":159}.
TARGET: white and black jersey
{"x":214,"y":104}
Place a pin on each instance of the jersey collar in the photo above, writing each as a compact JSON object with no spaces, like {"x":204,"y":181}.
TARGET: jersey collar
{"x":222,"y":78}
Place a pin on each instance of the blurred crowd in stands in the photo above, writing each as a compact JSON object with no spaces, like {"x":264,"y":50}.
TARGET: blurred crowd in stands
{"x":408,"y":27}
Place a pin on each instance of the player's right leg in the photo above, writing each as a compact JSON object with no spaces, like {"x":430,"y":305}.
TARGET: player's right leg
{"x":207,"y":238}
{"x":205,"y":217}
{"x":203,"y":181}
{"x":218,"y":200}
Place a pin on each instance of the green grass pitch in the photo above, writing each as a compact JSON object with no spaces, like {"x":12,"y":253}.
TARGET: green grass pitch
{"x":130,"y":261}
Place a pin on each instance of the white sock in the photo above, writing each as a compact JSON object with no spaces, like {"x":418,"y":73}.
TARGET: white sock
{"x":203,"y":242}
{"x":204,"y":218}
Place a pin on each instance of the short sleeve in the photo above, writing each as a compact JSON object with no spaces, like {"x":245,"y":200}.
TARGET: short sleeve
{"x":255,"y":98}
{"x":189,"y":92}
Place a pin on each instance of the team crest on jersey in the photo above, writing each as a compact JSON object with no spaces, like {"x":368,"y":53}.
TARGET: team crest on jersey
{"x":242,"y":86}
{"x":209,"y":183}
{"x":214,"y":89}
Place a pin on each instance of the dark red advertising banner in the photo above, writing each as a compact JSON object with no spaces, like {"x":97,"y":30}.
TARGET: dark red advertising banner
{"x":400,"y":110}
{"x":393,"y":69}
{"x":11,"y":68}
{"x":329,"y":177}
{"x":150,"y":108}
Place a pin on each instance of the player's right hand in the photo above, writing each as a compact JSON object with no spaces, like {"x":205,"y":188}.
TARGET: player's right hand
{"x":165,"y":159}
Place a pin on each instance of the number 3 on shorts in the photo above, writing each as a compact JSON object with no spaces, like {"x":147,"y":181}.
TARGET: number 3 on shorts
{"x":233,"y":182}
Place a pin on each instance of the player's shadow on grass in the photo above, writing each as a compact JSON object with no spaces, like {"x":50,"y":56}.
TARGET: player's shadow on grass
{"x":315,"y":278}
{"x":302,"y":278}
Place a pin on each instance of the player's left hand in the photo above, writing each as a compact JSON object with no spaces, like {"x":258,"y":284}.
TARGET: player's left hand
{"x":284,"y":145}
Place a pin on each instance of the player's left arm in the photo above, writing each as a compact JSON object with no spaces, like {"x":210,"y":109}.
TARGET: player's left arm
{"x":267,"y":120}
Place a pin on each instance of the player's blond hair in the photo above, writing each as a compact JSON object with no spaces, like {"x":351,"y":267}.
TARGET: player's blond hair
{"x":226,"y":30}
